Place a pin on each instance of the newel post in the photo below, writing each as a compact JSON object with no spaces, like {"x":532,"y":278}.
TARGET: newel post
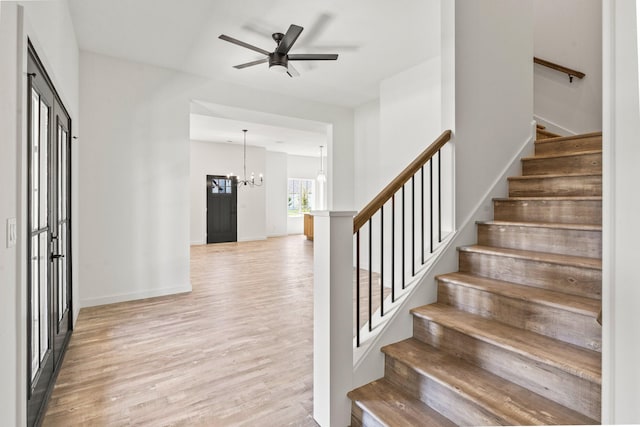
{"x":332,"y":317}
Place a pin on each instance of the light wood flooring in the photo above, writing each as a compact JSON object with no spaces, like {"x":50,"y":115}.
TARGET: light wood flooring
{"x":238,"y":350}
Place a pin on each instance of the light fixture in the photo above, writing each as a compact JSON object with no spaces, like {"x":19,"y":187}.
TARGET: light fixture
{"x":278,"y":62}
{"x":322,"y":177}
{"x":251,"y":182}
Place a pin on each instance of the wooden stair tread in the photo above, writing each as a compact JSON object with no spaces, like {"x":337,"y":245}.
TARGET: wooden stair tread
{"x":511,"y":402}
{"x":570,"y":137}
{"x":567,"y":302}
{"x":548,"y":198}
{"x":392,"y":407}
{"x":572,"y":359}
{"x":551,"y":258}
{"x":562,"y":175}
{"x":560,"y":155}
{"x":555,"y":225}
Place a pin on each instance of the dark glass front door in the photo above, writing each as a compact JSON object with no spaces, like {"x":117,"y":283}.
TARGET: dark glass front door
{"x":222,"y":201}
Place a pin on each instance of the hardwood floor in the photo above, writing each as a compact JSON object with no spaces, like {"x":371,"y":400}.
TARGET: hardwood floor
{"x":235,"y":351}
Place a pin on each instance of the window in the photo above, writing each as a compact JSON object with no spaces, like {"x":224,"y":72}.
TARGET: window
{"x":300,"y":196}
{"x":221,"y":186}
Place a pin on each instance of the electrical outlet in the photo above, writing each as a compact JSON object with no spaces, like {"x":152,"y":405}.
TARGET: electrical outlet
{"x":12,"y":232}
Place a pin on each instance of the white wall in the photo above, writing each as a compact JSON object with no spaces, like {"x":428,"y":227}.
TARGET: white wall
{"x":367,"y":180}
{"x":10,"y":364}
{"x":410,"y":116}
{"x":135,"y":175}
{"x":210,"y":158}
{"x":134,"y":183}
{"x":48,"y":26}
{"x":494,"y":92}
{"x":621,"y":230}
{"x":569,"y":33}
{"x":303,"y":167}
{"x":276,"y":183}
{"x":391,"y":131}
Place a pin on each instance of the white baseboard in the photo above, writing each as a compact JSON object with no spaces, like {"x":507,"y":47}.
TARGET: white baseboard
{"x":197,"y":242}
{"x":251,"y":239}
{"x":112,"y":299}
{"x":277,"y":235}
{"x":76,"y":313}
{"x":553,"y":127}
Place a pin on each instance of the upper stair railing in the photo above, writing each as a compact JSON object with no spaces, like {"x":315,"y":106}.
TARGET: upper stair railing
{"x":405,"y":233}
{"x":572,"y":73}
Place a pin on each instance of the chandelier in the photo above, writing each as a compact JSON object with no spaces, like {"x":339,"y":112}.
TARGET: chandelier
{"x":251,"y":181}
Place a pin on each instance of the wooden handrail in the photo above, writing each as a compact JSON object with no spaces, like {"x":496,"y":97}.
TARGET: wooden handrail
{"x":572,"y":73}
{"x":383,"y":197}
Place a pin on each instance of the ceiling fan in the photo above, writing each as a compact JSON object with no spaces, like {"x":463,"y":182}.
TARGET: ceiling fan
{"x":279,"y":59}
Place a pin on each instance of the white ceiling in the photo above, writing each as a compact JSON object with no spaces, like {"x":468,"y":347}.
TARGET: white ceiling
{"x":374,"y":38}
{"x":273,"y":138}
{"x":224,"y":124}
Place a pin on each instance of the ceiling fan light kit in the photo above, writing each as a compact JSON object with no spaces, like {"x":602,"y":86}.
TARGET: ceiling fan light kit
{"x":278,"y":60}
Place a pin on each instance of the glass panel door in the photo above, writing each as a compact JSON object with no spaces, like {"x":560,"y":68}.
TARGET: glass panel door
{"x":49,"y":296}
{"x":61,"y":230}
{"x":40,"y":349}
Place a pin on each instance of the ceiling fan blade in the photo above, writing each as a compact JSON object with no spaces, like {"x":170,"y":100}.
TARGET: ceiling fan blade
{"x":243,"y":44}
{"x":289,"y":39}
{"x":313,"y":57}
{"x":317,"y":29}
{"x":292,"y":71}
{"x":252,"y":63}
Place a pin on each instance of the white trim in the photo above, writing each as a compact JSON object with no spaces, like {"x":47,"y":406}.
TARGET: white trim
{"x":21,"y":134}
{"x":553,"y":127}
{"x":276,"y":235}
{"x":112,"y":299}
{"x":251,"y":238}
{"x":608,"y":223}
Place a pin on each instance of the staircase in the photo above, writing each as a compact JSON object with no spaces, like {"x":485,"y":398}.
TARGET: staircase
{"x":513,"y":337}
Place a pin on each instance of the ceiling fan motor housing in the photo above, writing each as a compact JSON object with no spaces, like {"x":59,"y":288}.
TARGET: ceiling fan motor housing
{"x":278,"y":59}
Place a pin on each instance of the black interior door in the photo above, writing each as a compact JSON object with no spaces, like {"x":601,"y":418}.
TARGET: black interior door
{"x":222,"y":202}
{"x":49,"y":244}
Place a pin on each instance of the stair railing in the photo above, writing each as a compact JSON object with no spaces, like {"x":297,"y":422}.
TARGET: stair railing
{"x":572,"y":73}
{"x":392,"y":232}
